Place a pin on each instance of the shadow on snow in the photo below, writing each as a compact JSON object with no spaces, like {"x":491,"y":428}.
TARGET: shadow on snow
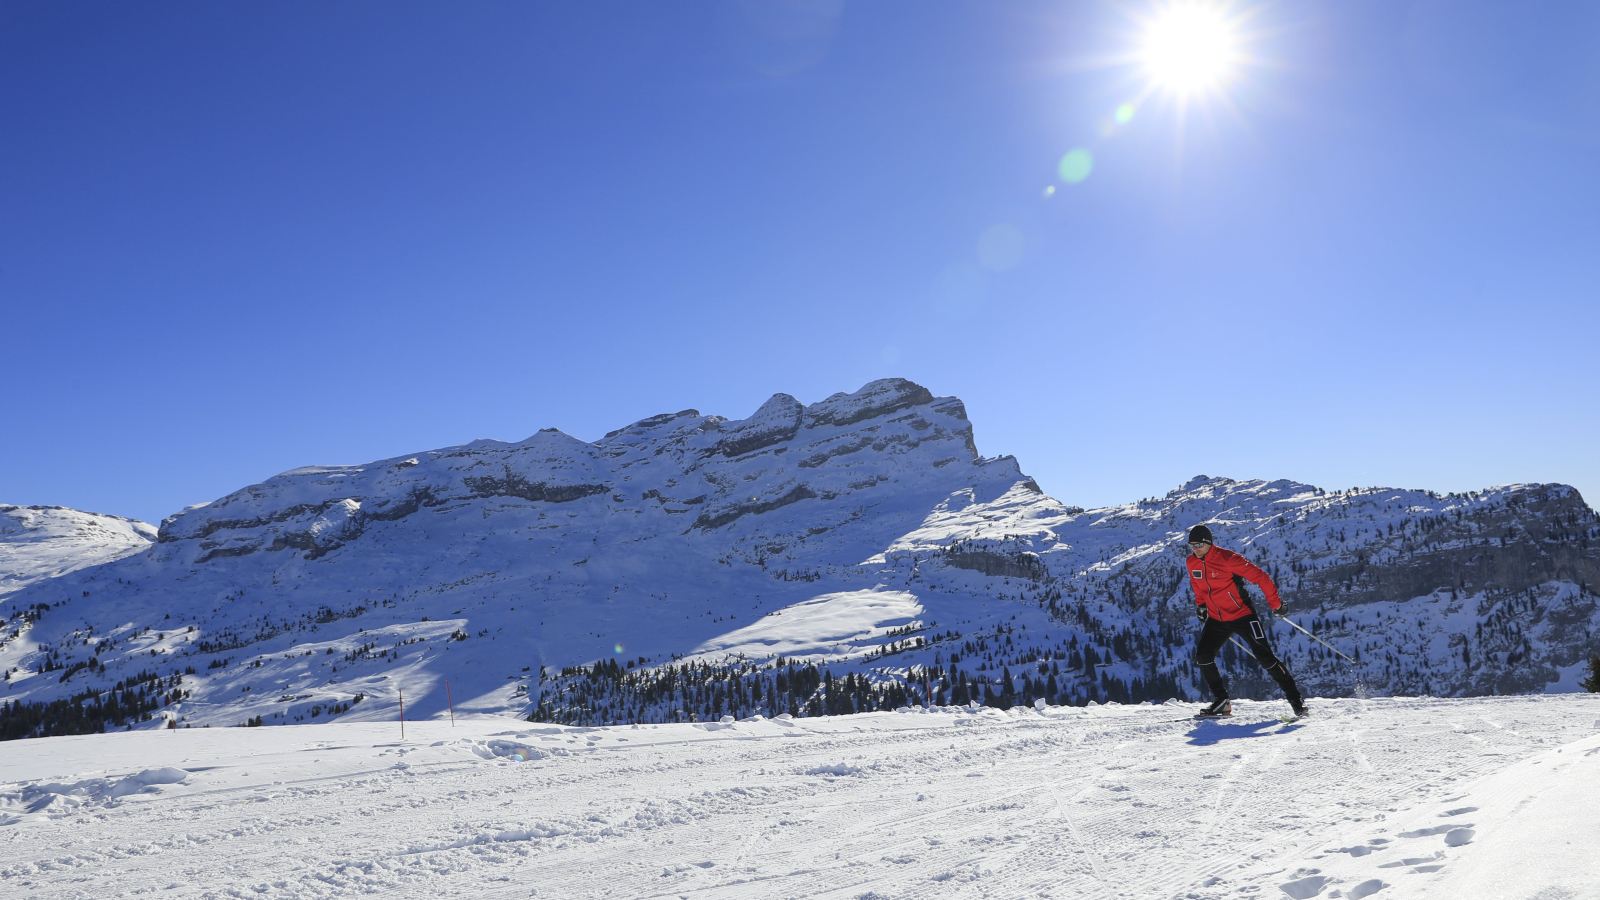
{"x":1211,"y":732}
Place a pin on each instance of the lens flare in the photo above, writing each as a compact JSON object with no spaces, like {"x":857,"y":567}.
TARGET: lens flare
{"x":1076,"y":166}
{"x":1189,"y":47}
{"x":959,"y":291}
{"x":1124,"y":114}
{"x":1000,"y":248}
{"x":618,"y":648}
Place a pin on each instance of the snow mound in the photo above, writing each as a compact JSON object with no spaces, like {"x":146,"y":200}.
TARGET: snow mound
{"x":839,"y":769}
{"x":55,"y":797}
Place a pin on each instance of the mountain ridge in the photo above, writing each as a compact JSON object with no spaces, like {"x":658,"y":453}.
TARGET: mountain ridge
{"x":861,"y":536}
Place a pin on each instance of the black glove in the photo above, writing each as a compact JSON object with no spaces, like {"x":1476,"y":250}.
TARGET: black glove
{"x":1200,"y":612}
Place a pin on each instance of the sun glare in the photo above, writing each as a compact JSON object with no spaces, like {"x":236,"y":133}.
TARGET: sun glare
{"x":1189,"y":48}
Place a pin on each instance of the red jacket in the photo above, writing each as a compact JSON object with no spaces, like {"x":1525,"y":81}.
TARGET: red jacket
{"x":1218,"y":582}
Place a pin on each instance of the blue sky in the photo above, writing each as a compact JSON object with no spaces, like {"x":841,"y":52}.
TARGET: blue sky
{"x":240,"y":238}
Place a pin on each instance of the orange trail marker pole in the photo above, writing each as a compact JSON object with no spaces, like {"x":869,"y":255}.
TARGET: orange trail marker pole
{"x":451,"y":702}
{"x":402,"y":713}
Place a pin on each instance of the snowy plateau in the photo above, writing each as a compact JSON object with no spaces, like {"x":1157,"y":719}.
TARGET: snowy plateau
{"x":829,"y":650}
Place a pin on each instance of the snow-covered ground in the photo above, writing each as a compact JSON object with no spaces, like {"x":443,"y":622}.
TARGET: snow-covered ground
{"x":1393,"y":798}
{"x":42,"y":542}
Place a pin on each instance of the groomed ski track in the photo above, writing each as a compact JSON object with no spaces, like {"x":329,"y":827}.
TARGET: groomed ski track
{"x":1392,"y":798}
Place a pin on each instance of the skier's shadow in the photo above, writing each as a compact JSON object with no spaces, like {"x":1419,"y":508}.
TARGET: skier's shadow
{"x":1212,"y":732}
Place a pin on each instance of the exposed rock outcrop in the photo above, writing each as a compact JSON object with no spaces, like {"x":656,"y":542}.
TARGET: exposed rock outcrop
{"x":863,"y":532}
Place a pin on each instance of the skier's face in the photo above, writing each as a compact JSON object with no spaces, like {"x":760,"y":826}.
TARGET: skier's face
{"x":1200,"y":548}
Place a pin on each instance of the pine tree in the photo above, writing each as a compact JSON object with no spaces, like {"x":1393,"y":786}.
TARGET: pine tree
{"x":1592,"y":683}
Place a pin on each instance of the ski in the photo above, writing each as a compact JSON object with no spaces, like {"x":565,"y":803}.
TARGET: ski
{"x":1295,"y":718}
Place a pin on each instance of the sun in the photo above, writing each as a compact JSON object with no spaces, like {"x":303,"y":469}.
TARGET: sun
{"x":1189,"y":48}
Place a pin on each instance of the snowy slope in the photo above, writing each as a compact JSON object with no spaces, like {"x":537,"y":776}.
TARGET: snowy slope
{"x":1485,"y":798}
{"x":1484,"y":593}
{"x":849,"y":554}
{"x":486,"y":562}
{"x":40,"y":542}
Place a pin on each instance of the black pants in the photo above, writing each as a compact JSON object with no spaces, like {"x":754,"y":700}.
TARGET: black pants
{"x":1216,"y":633}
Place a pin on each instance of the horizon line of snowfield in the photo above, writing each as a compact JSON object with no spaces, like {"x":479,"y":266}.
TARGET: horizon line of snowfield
{"x":1385,"y":797}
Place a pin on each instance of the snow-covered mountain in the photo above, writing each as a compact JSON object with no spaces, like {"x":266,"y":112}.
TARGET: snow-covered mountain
{"x":1488,"y":592}
{"x":847,"y":554}
{"x":40,"y":542}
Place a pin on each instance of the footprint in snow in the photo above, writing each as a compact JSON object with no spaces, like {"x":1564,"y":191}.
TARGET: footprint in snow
{"x":1419,"y":863}
{"x":1437,"y":829}
{"x":1305,"y":888}
{"x":1311,"y":887}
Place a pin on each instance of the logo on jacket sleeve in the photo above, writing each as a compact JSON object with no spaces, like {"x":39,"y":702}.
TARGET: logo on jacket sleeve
{"x":1197,"y":573}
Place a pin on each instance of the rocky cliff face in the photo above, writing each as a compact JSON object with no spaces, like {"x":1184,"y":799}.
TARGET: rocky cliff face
{"x":1490,"y":592}
{"x":698,"y":557}
{"x":890,"y":447}
{"x":490,"y":560}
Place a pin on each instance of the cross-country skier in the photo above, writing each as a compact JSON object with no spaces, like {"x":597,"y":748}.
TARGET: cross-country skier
{"x":1218,"y":578}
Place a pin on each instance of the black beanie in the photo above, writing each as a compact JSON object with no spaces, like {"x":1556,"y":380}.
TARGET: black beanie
{"x":1200,"y":533}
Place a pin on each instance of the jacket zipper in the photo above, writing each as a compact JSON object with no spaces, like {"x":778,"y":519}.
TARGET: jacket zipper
{"x":1206,"y":568}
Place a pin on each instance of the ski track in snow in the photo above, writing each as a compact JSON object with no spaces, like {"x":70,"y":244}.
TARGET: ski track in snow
{"x":1392,"y":798}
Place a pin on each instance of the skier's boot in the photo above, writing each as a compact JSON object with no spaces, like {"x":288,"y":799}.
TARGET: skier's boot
{"x":1220,"y":707}
{"x":1291,"y":691}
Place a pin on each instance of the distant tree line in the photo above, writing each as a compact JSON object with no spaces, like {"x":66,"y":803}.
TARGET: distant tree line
{"x":93,"y":711}
{"x":609,"y":693}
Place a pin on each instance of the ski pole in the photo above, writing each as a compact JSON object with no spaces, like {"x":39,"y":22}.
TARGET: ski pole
{"x":1319,"y":640}
{"x":1247,"y":650}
